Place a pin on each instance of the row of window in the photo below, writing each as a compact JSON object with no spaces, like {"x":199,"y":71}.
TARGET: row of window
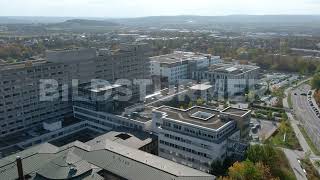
{"x":185,"y":141}
{"x":184,"y":149}
{"x":117,"y":121}
{"x":187,"y":158}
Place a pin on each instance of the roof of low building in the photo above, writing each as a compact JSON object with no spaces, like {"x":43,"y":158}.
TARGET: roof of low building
{"x":132,"y":139}
{"x":81,"y":161}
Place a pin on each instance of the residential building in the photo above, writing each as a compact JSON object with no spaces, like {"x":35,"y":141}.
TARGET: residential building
{"x":199,"y":135}
{"x":229,"y":79}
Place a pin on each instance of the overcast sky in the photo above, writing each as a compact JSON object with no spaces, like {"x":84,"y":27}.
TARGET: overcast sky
{"x":137,"y":8}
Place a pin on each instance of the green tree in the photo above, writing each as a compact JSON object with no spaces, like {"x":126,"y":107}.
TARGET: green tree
{"x":200,"y":101}
{"x":315,"y":82}
{"x":262,"y":153}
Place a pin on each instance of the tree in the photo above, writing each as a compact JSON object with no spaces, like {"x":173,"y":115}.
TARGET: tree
{"x":217,"y":168}
{"x":315,"y":82}
{"x":248,"y":170}
{"x":200,"y":101}
{"x":283,"y":127}
{"x":262,"y":153}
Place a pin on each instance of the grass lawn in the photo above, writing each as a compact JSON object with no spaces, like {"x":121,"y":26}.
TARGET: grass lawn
{"x":291,"y":141}
{"x":310,"y":143}
{"x":312,"y":173}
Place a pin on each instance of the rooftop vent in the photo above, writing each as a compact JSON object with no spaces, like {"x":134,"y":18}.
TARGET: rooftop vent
{"x":202,"y":115}
{"x":123,"y":136}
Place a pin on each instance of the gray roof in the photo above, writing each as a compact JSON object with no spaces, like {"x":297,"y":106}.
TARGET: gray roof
{"x":233,"y":69}
{"x":178,"y":57}
{"x":188,"y":116}
{"x":134,"y":139}
{"x":236,"y":111}
{"x":81,"y":161}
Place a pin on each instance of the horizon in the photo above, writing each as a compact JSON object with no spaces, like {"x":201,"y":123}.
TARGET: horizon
{"x":181,"y":15}
{"x":147,"y":8}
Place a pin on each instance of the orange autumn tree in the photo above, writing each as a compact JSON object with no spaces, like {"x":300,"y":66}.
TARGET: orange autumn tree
{"x":317,"y":97}
{"x":248,"y":170}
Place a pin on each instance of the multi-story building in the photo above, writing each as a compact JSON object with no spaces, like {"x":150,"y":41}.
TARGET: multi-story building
{"x":228,"y":79}
{"x":21,"y":106}
{"x":197,"y":136}
{"x":178,"y":66}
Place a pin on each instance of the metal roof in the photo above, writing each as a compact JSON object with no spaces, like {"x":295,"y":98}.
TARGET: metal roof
{"x":80,"y":160}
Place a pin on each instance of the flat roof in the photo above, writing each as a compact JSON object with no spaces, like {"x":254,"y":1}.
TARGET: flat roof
{"x":231,"y":68}
{"x":236,"y":111}
{"x":212,"y":121}
{"x":178,"y":56}
{"x":101,"y":86}
{"x":132,"y":139}
{"x":22,"y":64}
{"x":201,"y":87}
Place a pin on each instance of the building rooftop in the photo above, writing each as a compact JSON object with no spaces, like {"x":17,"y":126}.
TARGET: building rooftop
{"x":201,"y":116}
{"x":81,"y":161}
{"x":179,"y":56}
{"x":201,"y":87}
{"x":231,"y":68}
{"x":23,"y":64}
{"x":132,"y":139}
{"x":236,"y":111}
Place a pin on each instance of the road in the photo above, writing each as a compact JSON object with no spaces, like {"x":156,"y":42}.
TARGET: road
{"x":292,"y":155}
{"x":305,"y":114}
{"x":292,"y":158}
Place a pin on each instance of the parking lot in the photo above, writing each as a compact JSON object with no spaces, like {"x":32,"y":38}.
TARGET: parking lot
{"x":262,"y":129}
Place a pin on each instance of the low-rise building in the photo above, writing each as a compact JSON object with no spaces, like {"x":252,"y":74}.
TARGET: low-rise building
{"x":103,"y":161}
{"x":135,"y":139}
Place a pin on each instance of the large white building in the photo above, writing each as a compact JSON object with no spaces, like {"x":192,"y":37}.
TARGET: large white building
{"x":229,"y":79}
{"x":197,"y":136}
{"x":171,"y":68}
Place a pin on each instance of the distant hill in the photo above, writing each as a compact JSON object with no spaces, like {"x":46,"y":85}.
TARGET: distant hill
{"x":187,"y":19}
{"x":85,"y":22}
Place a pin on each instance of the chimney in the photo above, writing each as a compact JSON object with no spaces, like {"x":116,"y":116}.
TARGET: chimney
{"x":20,"y":169}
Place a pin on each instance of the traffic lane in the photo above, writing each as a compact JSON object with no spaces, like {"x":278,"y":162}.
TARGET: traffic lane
{"x":306,"y":115}
{"x":305,"y":111}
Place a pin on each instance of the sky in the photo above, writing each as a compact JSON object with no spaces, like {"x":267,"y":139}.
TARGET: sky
{"x":139,"y":8}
